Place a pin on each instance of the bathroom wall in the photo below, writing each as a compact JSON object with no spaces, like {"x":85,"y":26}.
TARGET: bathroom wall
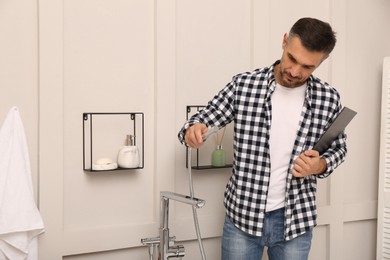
{"x":19,"y":69}
{"x":63,"y":58}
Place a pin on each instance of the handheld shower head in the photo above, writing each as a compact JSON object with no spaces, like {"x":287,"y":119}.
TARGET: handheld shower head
{"x":210,"y":131}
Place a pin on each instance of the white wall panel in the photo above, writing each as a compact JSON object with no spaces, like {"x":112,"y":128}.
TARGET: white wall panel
{"x":135,"y":253}
{"x":18,"y":69}
{"x":213,"y":43}
{"x":108,"y":67}
{"x":359,"y":240}
{"x":320,"y":243}
{"x":51,"y":127}
{"x":364,"y":81}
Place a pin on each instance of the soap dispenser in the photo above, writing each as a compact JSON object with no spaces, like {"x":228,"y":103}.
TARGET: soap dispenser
{"x":128,"y":156}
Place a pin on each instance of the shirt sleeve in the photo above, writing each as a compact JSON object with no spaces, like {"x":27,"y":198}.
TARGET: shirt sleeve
{"x":218,"y":112}
{"x":336,"y":153}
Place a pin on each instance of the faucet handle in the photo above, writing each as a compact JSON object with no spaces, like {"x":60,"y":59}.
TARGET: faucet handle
{"x":176,"y":251}
{"x":150,"y":241}
{"x":155,"y":240}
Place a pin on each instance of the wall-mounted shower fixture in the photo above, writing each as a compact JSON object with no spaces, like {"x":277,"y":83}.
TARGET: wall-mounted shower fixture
{"x":167,"y":248}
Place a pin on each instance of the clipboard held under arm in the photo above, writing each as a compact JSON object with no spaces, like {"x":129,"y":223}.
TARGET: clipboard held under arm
{"x":336,"y":128}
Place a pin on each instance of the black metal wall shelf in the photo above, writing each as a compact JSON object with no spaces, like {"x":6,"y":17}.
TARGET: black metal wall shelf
{"x":190,"y":110}
{"x":104,"y":134}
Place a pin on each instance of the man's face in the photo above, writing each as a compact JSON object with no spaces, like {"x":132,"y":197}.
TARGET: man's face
{"x":297,"y":63}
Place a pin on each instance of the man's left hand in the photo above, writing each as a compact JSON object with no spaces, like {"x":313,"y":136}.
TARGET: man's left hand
{"x":309,"y":162}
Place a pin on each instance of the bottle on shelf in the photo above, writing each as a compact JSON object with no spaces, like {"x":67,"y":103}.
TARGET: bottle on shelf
{"x":128,"y":156}
{"x":218,"y":157}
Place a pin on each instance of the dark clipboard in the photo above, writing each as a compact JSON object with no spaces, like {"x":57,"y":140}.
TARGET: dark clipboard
{"x":335,"y":129}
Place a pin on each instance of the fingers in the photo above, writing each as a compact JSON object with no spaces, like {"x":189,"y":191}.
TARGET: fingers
{"x":301,"y":168}
{"x":306,"y":164}
{"x":311,"y":153}
{"x":194,"y":135}
{"x":297,"y":174}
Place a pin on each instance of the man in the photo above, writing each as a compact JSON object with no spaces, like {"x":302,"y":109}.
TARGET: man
{"x":279,"y":112}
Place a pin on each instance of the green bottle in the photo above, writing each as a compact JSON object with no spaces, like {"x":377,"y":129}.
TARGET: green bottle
{"x":218,"y":157}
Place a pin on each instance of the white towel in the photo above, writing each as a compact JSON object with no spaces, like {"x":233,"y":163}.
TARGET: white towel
{"x":20,"y":220}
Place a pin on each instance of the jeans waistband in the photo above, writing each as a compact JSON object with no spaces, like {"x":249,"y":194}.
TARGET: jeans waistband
{"x":275,"y":210}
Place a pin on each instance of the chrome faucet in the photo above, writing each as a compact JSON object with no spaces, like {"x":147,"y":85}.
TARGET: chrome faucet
{"x":167,"y":249}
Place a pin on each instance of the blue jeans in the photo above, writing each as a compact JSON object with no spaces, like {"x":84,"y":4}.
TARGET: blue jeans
{"x":238,"y":245}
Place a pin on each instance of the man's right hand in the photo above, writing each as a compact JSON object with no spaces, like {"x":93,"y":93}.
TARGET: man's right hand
{"x":194,"y":135}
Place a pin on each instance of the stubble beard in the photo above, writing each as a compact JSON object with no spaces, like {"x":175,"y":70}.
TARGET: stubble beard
{"x":287,"y":80}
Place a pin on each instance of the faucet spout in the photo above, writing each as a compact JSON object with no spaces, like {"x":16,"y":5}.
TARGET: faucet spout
{"x":182,"y":198}
{"x":167,"y":251}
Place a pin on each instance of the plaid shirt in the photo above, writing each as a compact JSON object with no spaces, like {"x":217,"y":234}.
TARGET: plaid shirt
{"x":246,"y":101}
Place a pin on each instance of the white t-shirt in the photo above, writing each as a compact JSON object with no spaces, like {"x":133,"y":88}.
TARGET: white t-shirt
{"x":287,"y":106}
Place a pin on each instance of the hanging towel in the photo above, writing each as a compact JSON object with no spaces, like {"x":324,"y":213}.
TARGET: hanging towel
{"x":20,"y":220}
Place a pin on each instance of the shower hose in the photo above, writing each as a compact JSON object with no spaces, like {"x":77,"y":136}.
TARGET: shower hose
{"x":210,"y":131}
{"x":194,"y":212}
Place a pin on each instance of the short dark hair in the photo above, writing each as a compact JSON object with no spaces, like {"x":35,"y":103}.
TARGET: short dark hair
{"x":315,"y":35}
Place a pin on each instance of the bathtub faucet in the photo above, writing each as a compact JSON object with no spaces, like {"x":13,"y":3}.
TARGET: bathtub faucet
{"x":167,"y":248}
{"x":167,"y":251}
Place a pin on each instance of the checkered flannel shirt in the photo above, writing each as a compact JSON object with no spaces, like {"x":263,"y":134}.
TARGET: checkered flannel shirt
{"x":246,"y":101}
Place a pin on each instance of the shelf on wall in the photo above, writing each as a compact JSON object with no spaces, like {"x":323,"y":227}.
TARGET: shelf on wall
{"x":207,"y":167}
{"x":104,"y":134}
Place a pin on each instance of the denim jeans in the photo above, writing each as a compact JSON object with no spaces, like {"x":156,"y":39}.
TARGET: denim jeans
{"x":238,"y":245}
